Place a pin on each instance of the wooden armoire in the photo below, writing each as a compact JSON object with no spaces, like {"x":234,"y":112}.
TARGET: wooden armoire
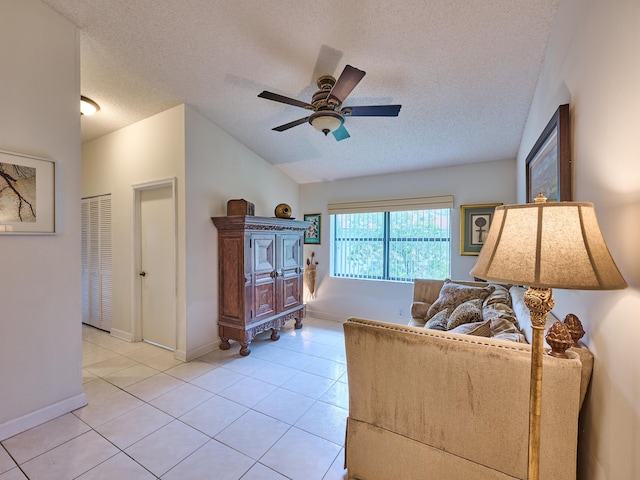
{"x":260,"y":276}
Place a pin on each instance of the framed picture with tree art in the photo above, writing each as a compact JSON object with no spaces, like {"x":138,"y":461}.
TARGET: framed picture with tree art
{"x":475,"y":221}
{"x":312,"y":235}
{"x":27,"y":194}
{"x":549,"y":162}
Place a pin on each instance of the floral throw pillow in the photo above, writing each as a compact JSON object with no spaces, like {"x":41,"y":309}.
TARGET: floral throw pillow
{"x":454,"y":294}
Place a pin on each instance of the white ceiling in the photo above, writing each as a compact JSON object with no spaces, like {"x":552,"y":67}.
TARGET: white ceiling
{"x":464,"y":71}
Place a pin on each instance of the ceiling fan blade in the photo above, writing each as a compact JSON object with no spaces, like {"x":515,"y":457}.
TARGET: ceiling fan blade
{"x":341,"y":133}
{"x":282,"y":99}
{"x":372,"y":111}
{"x":289,"y":125}
{"x":349,"y":78}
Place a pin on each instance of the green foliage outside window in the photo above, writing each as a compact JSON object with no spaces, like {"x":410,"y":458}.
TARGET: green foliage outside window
{"x":391,"y":245}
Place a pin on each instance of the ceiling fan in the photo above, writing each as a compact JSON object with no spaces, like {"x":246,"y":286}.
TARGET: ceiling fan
{"x":328,"y":116}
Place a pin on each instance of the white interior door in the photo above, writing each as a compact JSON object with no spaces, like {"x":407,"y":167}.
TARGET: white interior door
{"x":157,"y":261}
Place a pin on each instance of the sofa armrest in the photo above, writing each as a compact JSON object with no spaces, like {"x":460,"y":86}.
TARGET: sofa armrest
{"x":468,"y":396}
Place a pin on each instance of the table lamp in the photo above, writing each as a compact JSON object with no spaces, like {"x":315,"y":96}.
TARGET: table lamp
{"x":543,"y":246}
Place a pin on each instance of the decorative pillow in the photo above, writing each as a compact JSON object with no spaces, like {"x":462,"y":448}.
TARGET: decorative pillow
{"x":502,"y":311}
{"x":503,"y":329}
{"x":455,"y":294}
{"x":419,"y":309}
{"x":438,"y":321}
{"x":467,"y":312}
{"x":479,"y":329}
{"x":499,"y":295}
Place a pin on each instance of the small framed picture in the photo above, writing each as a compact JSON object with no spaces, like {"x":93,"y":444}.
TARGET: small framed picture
{"x":475,"y":221}
{"x":312,"y":235}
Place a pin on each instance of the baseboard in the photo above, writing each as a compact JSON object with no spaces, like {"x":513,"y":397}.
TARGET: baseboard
{"x":180,"y":355}
{"x":122,"y":335}
{"x":193,"y":353}
{"x":324,"y":315}
{"x":38,"y":417}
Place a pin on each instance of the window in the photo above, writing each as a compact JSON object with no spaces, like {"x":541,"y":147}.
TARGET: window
{"x":391,"y":245}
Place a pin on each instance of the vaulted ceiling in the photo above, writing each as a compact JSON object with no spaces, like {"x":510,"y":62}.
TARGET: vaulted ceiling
{"x":464,"y":71}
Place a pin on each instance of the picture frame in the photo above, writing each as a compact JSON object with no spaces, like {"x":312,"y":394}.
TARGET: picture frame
{"x":27,"y":194}
{"x":312,"y":234}
{"x":475,"y":221}
{"x":549,"y":162}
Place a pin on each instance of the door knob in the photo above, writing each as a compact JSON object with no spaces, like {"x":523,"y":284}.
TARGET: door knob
{"x":143,"y":274}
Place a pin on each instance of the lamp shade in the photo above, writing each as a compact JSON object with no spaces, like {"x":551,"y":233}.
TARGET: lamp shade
{"x":548,"y":245}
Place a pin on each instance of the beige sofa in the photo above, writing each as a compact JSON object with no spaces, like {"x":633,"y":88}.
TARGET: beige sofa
{"x":428,"y":404}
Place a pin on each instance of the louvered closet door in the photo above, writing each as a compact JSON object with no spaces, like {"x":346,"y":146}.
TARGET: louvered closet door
{"x":96,"y":262}
{"x":84,"y":212}
{"x":105,"y":264}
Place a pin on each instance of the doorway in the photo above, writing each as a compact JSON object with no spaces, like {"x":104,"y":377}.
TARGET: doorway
{"x":155,"y":274}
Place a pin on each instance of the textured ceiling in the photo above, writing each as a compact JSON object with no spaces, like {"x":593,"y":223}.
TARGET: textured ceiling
{"x":464,"y":72}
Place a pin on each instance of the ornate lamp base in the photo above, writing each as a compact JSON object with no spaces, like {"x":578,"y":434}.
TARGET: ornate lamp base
{"x":540,"y":302}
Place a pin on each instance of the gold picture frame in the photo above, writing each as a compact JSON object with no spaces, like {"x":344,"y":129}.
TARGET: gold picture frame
{"x":475,"y":221}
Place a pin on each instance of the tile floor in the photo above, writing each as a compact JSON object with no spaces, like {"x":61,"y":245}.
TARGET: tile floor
{"x":279,"y":413}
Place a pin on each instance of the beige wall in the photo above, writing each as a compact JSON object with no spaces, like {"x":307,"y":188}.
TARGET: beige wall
{"x":147,"y":151}
{"x":339,"y":298}
{"x":40,"y":314}
{"x":218,"y":169}
{"x":211,"y":167}
{"x":593,"y":64}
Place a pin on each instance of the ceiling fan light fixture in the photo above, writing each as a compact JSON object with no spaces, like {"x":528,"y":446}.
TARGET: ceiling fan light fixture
{"x":326,"y":121}
{"x":88,"y":106}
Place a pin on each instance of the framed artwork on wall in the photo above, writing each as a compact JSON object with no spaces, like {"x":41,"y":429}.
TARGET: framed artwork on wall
{"x":312,"y":235}
{"x":27,"y":194}
{"x":475,"y":221}
{"x":549,"y":162}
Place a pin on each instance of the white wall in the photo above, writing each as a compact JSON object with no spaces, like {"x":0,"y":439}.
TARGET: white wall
{"x":339,"y":298}
{"x":40,"y":317}
{"x":218,"y":169}
{"x":593,"y":63}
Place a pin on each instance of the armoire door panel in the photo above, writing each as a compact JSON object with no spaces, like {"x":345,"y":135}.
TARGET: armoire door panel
{"x":264,"y":301}
{"x":264,"y":253}
{"x":290,"y":293}
{"x":290,"y":251}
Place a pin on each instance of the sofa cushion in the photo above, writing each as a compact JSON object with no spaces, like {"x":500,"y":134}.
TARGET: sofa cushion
{"x":438,"y":321}
{"x":467,"y":312}
{"x":419,"y":309}
{"x":479,"y":329}
{"x":454,"y":294}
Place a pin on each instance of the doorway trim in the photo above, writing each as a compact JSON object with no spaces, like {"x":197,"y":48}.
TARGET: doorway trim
{"x":136,"y":281}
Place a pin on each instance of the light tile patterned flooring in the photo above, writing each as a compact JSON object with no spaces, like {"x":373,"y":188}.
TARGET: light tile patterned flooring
{"x":279,"y":413}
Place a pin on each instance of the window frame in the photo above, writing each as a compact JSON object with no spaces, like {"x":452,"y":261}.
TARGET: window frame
{"x":386,"y":240}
